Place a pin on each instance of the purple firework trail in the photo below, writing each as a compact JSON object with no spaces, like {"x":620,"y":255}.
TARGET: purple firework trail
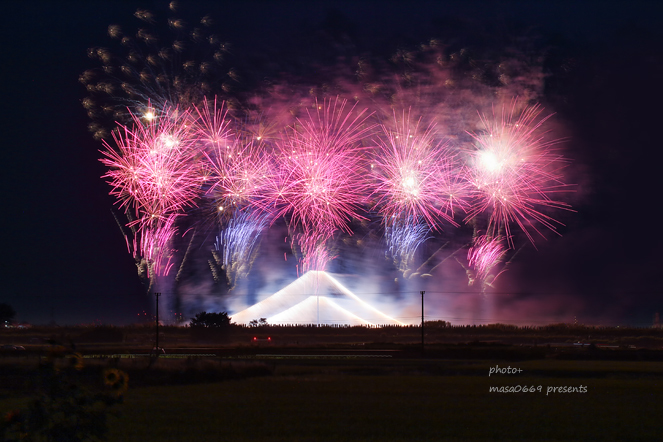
{"x":235,"y":246}
{"x":403,"y":238}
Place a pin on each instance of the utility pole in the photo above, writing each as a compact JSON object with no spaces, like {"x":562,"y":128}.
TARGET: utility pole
{"x":422,"y":320}
{"x":156,"y":295}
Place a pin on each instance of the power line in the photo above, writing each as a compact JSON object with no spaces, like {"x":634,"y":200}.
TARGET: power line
{"x":439,"y":292}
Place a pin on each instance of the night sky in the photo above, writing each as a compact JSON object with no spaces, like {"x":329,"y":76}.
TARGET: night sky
{"x":64,"y":259}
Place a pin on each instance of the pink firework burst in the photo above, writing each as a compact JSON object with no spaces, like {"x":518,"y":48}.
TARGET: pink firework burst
{"x":484,"y":255}
{"x":236,"y":168}
{"x":515,"y":173}
{"x":320,"y":159}
{"x":212,"y":125}
{"x":151,"y":169}
{"x":153,"y":243}
{"x":417,"y":176}
{"x":313,"y":246}
{"x":239,"y":173}
{"x":153,"y":176}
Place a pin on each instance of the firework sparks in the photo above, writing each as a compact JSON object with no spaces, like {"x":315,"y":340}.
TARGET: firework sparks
{"x":239,"y":173}
{"x":403,"y":239}
{"x":212,"y":127}
{"x":314,"y":248}
{"x":484,"y":255}
{"x":515,"y":173}
{"x":237,"y":243}
{"x":151,"y":168}
{"x":152,"y":176}
{"x":320,"y":162}
{"x":154,"y":246}
{"x":319,"y":184}
{"x":416,"y":175}
{"x":150,"y":75}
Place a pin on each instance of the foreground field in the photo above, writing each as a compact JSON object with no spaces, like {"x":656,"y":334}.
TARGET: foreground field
{"x":387,"y":400}
{"x":390,"y":408}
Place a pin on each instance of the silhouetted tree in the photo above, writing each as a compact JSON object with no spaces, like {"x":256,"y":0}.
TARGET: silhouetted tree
{"x":258,"y":323}
{"x":211,"y":320}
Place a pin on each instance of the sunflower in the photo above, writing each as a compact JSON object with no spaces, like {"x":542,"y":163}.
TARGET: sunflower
{"x":117,"y":380}
{"x":111,"y":376}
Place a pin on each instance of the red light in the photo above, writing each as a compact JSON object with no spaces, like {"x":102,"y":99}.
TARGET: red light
{"x":269,"y":339}
{"x":255,"y":338}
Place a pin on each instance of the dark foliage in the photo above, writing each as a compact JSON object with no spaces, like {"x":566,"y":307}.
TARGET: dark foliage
{"x":64,"y":409}
{"x":262,"y":322}
{"x":211,"y":320}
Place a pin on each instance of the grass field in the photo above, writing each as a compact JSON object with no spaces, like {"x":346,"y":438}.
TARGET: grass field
{"x":407,"y":400}
{"x":391,"y":408}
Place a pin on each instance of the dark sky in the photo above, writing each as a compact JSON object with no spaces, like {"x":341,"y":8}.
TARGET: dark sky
{"x":63,"y":256}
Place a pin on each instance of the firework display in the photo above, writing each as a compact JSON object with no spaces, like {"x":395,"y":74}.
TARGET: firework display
{"x":324,"y":172}
{"x":179,"y":154}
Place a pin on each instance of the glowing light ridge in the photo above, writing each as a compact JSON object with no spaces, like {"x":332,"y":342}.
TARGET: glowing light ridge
{"x":297,"y":303}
